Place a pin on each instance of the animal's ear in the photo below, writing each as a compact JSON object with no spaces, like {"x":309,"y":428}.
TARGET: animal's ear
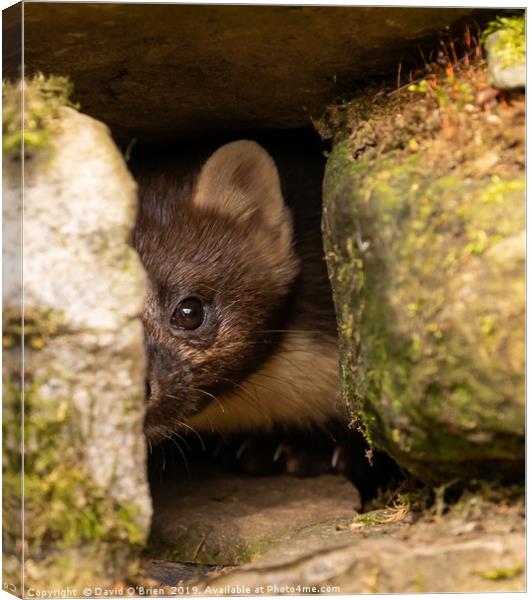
{"x":240,"y":180}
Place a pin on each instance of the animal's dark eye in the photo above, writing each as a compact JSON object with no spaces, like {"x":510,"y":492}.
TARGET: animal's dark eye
{"x":188,"y":314}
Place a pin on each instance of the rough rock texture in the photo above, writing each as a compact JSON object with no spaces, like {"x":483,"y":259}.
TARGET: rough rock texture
{"x":474,"y":546}
{"x":505,"y":77}
{"x":424,"y":222}
{"x":157,"y":71}
{"x":506,"y":54}
{"x":11,"y":376}
{"x":86,"y":499}
{"x":219,"y":519}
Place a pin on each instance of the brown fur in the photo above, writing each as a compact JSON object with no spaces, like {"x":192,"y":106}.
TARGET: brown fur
{"x":266,"y":353}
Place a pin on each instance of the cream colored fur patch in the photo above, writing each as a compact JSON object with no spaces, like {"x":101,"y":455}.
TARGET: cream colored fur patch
{"x":297,"y":386}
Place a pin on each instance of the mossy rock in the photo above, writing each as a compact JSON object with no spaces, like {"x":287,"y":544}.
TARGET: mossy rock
{"x":42,"y":97}
{"x":82,"y":483}
{"x":425,"y":246}
{"x":505,"y":42}
{"x":477,"y":545}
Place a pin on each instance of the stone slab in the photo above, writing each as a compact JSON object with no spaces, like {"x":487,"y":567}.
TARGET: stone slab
{"x":474,"y":546}
{"x":231,"y":519}
{"x":157,"y":71}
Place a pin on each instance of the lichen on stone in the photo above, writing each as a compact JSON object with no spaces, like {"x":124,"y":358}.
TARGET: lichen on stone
{"x":85,"y":493}
{"x":35,"y":330}
{"x":28,"y":110}
{"x":62,"y":506}
{"x":423,"y":239}
{"x":510,"y":45}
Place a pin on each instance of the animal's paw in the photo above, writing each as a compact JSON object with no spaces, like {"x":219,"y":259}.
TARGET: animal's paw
{"x":303,"y":461}
{"x":293,"y":455}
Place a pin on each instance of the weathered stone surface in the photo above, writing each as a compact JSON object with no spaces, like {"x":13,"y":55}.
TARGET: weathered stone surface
{"x":157,"y":71}
{"x":424,"y":221}
{"x":170,"y":573}
{"x":12,"y":507}
{"x":86,"y":499}
{"x":476,"y":546}
{"x":506,"y":55}
{"x":220,"y":519}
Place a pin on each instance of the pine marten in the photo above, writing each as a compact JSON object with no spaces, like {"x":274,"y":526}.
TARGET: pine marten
{"x":240,"y":327}
{"x":240,"y":330}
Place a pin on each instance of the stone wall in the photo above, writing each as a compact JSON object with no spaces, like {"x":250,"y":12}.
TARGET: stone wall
{"x":86,"y":500}
{"x":425,"y":238}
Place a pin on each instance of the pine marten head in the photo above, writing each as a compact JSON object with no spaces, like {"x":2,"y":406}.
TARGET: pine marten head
{"x":220,"y":264}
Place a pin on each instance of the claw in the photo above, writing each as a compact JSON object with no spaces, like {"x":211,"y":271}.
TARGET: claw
{"x":280,"y":449}
{"x":335,"y":456}
{"x":243,"y":446}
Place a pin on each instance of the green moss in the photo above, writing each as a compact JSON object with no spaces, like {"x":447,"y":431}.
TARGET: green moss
{"x":500,"y":574}
{"x":42,"y":97}
{"x":63,"y":507}
{"x":446,"y":92}
{"x":511,"y":43}
{"x":427,"y":271}
{"x":39,"y":326}
{"x":496,"y":192}
{"x":375,"y":517}
{"x":399,"y":337}
{"x":402,"y":503}
{"x":197,"y":546}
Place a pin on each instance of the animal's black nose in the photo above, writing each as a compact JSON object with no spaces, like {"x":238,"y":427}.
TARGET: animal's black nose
{"x":148,"y":391}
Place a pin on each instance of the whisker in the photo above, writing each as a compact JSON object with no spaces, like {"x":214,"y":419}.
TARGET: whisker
{"x":183,"y":456}
{"x":254,"y":400}
{"x":201,"y":392}
{"x":164,"y":457}
{"x":248,"y":398}
{"x":254,"y":403}
{"x":214,"y":397}
{"x":195,"y":432}
{"x":210,"y":395}
{"x":182,"y":439}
